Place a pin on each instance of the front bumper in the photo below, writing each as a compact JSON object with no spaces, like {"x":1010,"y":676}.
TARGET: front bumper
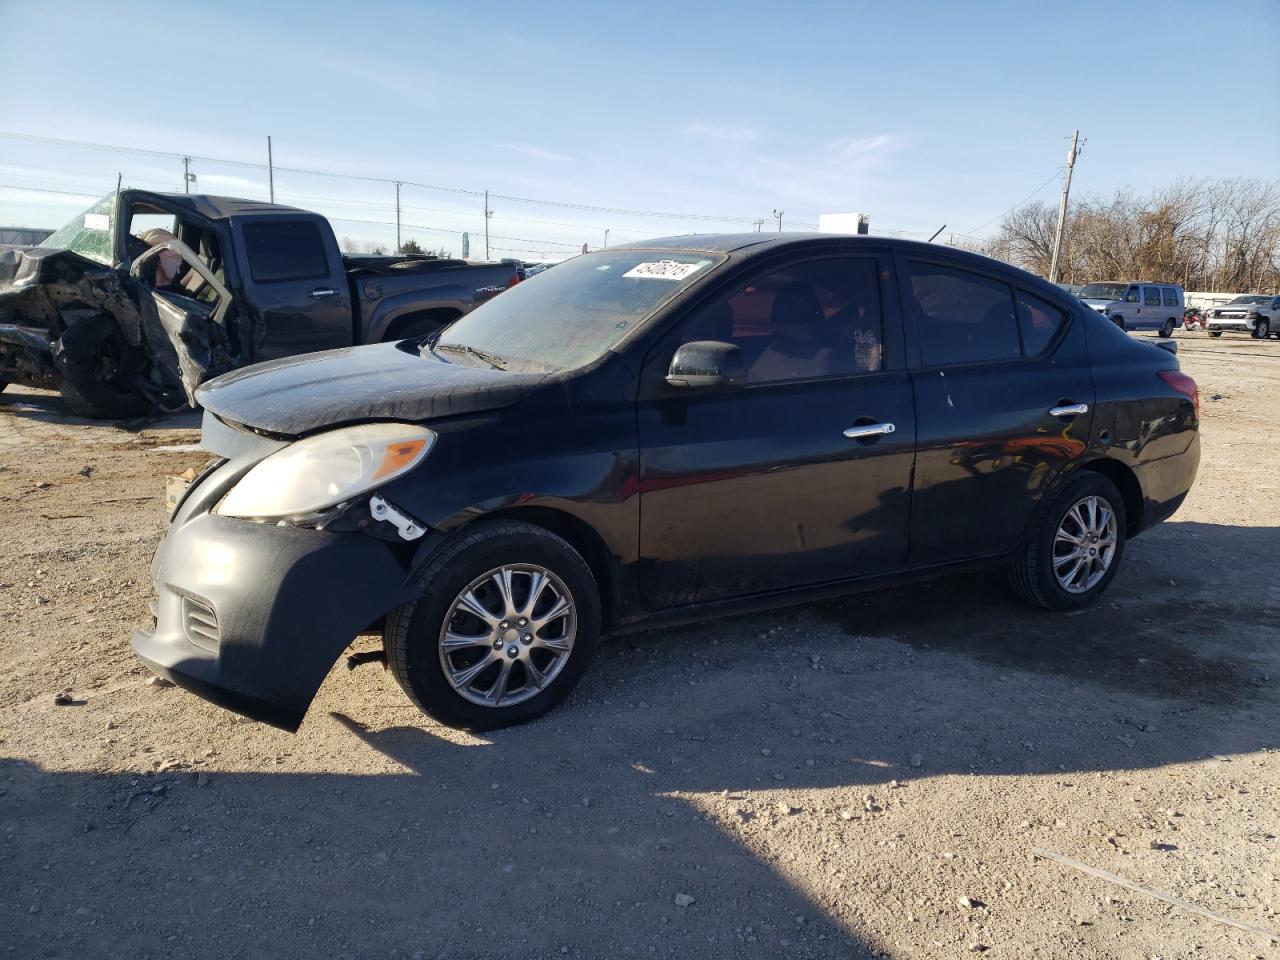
{"x":1230,"y":323}
{"x":252,"y":616}
{"x":26,"y":356}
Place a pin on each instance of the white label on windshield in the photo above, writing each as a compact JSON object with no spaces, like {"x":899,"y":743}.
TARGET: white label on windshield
{"x":665,"y":269}
{"x":97,"y":221}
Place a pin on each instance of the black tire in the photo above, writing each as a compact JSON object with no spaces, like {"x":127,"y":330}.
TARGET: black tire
{"x":1031,"y":570}
{"x":1262,"y":330}
{"x":1118,"y":321}
{"x":412,"y":632}
{"x":1215,"y":333}
{"x":1167,"y":329}
{"x":97,"y":365}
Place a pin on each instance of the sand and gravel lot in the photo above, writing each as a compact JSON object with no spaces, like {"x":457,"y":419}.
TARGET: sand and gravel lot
{"x":857,"y":778}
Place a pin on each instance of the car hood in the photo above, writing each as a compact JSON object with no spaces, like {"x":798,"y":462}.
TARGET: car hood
{"x":300,"y":395}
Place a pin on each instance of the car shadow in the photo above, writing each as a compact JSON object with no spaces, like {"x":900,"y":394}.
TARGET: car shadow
{"x":662,"y":775}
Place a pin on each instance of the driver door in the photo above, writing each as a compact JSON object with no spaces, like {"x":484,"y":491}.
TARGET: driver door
{"x":773,"y":484}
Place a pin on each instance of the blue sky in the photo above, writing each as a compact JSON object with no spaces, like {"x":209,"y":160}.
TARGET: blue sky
{"x":918,"y":113}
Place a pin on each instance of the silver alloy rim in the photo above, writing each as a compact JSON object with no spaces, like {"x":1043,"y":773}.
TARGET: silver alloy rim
{"x":1084,"y":545}
{"x":508,"y":635}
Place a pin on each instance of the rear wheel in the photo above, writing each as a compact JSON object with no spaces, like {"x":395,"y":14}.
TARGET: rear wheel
{"x":97,"y":365}
{"x":1167,"y":329}
{"x":1262,"y":330}
{"x":1215,"y":333}
{"x":1074,"y":547}
{"x":506,"y":626}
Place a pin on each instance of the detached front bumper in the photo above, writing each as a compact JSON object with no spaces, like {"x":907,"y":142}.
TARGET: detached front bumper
{"x":252,"y":616}
{"x":26,"y":356}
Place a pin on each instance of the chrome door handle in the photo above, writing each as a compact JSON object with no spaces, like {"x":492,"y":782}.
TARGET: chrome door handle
{"x":870,"y":430}
{"x":1069,"y":410}
{"x":319,"y":292}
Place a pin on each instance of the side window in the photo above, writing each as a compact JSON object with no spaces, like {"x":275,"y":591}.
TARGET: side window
{"x":962,"y":317}
{"x":815,"y":319}
{"x":1039,"y":322}
{"x":1151,"y":296}
{"x":285,"y":251}
{"x":1170,"y":296}
{"x":1132,"y":296}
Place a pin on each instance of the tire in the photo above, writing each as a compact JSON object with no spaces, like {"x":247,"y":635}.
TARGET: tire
{"x":1215,"y":333}
{"x":1032,"y":571}
{"x":1118,"y":321}
{"x":415,"y":632}
{"x":1262,"y":330}
{"x":1167,"y":329}
{"x":96,"y":364}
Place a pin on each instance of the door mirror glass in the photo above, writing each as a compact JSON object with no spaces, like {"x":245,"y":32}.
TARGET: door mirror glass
{"x":707,"y":363}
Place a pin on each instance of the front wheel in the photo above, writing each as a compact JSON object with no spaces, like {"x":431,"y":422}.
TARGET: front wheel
{"x":1262,"y":330}
{"x":506,"y":626}
{"x":1167,"y":329}
{"x":97,"y":365}
{"x":1074,"y":547}
{"x":1215,"y":333}
{"x":1118,"y":321}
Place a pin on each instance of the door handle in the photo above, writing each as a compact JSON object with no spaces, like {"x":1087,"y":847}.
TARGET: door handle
{"x":320,"y":292}
{"x":869,"y":430}
{"x":1069,"y":410}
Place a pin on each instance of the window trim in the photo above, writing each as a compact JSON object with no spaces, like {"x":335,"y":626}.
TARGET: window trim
{"x":277,"y":222}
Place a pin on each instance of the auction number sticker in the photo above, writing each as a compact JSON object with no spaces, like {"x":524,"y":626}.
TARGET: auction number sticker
{"x":666,"y":269}
{"x":97,"y":221}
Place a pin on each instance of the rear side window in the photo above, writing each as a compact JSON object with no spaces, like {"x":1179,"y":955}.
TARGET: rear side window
{"x":1039,"y":322}
{"x":1170,"y":297}
{"x":1151,"y":296}
{"x":962,"y":317}
{"x":285,"y":251}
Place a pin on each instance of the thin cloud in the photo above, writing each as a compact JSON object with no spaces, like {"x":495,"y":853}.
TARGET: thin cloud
{"x":721,"y":132}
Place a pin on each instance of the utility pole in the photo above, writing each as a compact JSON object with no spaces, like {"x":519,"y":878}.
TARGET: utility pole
{"x":487,"y":214}
{"x":606,"y":238}
{"x":398,"y":217}
{"x":271,"y":173}
{"x":1062,"y":207}
{"x":759,"y":224}
{"x":186,"y":174}
{"x":778,"y":214}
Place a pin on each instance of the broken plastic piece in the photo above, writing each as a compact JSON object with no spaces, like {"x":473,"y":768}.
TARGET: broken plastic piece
{"x":381,"y":510}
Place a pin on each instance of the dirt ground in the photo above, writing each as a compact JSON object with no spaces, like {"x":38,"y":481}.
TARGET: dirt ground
{"x":859,"y":778}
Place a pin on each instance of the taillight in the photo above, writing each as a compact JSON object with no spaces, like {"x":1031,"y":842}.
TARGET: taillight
{"x":515,"y":278}
{"x":1183,"y":384}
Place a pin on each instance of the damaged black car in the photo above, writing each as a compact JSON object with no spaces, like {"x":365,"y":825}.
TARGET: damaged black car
{"x":144,"y":296}
{"x":654,"y":433}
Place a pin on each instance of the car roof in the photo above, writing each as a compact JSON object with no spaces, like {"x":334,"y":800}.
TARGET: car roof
{"x":220,"y":208}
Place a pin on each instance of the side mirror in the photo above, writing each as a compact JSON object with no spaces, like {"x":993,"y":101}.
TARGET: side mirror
{"x":707,"y":363}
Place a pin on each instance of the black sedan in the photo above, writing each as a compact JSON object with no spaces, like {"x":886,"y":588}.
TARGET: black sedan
{"x":659,"y":432}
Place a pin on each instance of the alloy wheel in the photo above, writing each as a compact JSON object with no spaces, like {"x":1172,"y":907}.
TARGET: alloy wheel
{"x":1085,"y":544}
{"x":508,"y":635}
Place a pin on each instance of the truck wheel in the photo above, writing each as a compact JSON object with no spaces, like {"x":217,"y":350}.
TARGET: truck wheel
{"x":96,"y":365}
{"x":1215,"y":333}
{"x":1262,"y":330}
{"x":1167,"y":329}
{"x":1074,"y":546}
{"x":1118,"y":321}
{"x":506,"y":626}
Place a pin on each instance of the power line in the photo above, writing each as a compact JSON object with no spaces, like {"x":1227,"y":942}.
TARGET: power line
{"x":1054,"y":176}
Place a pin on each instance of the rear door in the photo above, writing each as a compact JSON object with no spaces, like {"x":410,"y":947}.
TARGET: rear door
{"x":803,"y":475}
{"x":295,"y":286}
{"x":1003,"y":402}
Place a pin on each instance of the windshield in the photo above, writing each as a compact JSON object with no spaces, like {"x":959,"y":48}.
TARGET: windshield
{"x":1251,"y":299}
{"x":565,"y":318}
{"x":88,"y":234}
{"x":1104,"y":291}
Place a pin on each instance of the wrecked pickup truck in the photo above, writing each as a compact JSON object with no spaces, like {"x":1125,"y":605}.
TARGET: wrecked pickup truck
{"x":144,"y":296}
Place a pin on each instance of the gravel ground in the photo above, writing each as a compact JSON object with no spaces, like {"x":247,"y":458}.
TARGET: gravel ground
{"x":857,"y":778}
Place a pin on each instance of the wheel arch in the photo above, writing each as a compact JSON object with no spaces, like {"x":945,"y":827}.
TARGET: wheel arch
{"x":1127,"y":482}
{"x":399,"y":328}
{"x":582,"y":537}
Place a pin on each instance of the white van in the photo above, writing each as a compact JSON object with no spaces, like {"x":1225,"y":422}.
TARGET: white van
{"x":1138,"y":306}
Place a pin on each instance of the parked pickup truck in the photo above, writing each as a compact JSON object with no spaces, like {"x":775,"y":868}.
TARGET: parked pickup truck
{"x":1257,"y":314}
{"x":144,"y":296}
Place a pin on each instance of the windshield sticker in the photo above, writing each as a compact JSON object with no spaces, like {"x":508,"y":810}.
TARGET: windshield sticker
{"x":97,"y":221}
{"x":666,"y":269}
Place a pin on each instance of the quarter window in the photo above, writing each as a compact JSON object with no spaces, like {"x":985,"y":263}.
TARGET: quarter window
{"x":285,"y":251}
{"x":962,"y":317}
{"x":1151,"y":296}
{"x":1170,"y":296}
{"x":816,"y":319}
{"x":1039,"y":322}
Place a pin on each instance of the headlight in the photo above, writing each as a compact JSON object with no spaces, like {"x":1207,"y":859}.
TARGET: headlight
{"x":327,"y":469}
